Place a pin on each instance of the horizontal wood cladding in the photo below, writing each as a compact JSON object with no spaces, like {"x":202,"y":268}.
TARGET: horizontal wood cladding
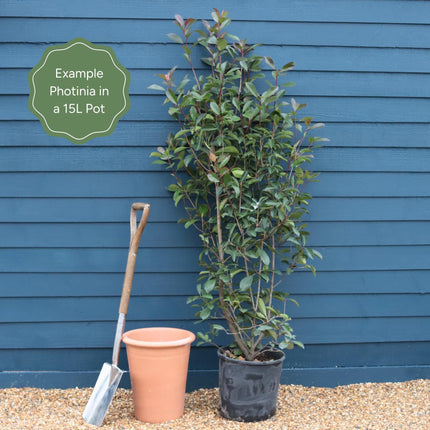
{"x":337,"y":109}
{"x":184,"y":260}
{"x":58,"y":30}
{"x":322,"y":331}
{"x":205,"y":358}
{"x":345,"y":84}
{"x":410,"y":12}
{"x":307,"y":58}
{"x":88,"y":158}
{"x":153,"y":185}
{"x":75,"y":209}
{"x":78,"y":284}
{"x":143,"y":133}
{"x":174,"y":308}
{"x":172,"y":234}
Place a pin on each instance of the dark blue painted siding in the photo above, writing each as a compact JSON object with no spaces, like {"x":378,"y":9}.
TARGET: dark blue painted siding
{"x":362,"y":66}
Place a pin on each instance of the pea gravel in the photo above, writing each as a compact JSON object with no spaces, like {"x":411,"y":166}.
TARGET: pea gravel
{"x":388,"y":406}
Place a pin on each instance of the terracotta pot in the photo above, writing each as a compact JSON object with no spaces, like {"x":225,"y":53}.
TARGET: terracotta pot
{"x":158,"y":364}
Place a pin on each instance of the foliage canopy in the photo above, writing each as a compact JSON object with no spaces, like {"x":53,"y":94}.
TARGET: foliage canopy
{"x":239,"y":165}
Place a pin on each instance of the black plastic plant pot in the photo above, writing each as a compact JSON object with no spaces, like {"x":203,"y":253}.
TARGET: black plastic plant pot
{"x":249,"y":389}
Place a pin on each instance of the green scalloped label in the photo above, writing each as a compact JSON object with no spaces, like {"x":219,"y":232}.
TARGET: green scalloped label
{"x":79,"y":90}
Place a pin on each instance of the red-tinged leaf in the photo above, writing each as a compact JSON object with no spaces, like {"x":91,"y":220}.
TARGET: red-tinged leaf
{"x":189,"y":21}
{"x":269,"y":62}
{"x":307,"y":120}
{"x":206,"y":24}
{"x":179,"y":19}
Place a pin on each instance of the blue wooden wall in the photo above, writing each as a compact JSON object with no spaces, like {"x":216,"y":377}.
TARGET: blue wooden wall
{"x":363,"y":68}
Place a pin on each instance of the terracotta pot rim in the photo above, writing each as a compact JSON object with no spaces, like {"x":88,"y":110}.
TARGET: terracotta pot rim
{"x":189,"y":337}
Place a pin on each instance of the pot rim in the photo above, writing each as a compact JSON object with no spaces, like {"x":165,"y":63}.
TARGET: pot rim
{"x":253,"y":363}
{"x":189,"y":337}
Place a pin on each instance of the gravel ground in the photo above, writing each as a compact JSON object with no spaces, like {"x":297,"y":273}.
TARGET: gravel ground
{"x":404,"y":405}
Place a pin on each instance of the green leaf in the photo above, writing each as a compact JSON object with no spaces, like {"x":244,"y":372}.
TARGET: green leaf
{"x":295,"y":302}
{"x":262,"y":306}
{"x":213,"y":178}
{"x":192,"y":299}
{"x":173,"y":188}
{"x":251,"y":88}
{"x":215,"y":108}
{"x":317,"y":125}
{"x":264,"y":257}
{"x":246,"y":282}
{"x":156,"y":87}
{"x":212,"y":40}
{"x":171,"y":96}
{"x":176,"y":38}
{"x":287,"y":66}
{"x":296,"y":342}
{"x":229,"y":150}
{"x":209,"y":285}
{"x":237,"y":173}
{"x":294,"y":105}
{"x":190,"y":222}
{"x":203,"y":210}
{"x":222,"y":44}
{"x":204,"y":313}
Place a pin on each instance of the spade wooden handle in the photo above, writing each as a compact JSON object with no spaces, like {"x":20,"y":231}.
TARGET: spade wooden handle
{"x":135,"y":235}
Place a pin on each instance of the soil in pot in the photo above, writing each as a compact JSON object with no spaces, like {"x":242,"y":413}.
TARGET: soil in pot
{"x":249,"y":389}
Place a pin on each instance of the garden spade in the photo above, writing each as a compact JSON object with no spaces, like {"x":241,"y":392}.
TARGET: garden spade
{"x":110,"y":375}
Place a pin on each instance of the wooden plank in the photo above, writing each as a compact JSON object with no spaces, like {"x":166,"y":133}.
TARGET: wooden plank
{"x":147,"y":284}
{"x":95,"y":159}
{"x":307,"y":58}
{"x":87,"y":184}
{"x":171,"y":260}
{"x":173,"y":308}
{"x":376,"y":209}
{"x":369,"y":184}
{"x":163,"y":209}
{"x":88,"y":158}
{"x":369,"y":233}
{"x":142,"y":134}
{"x":310,"y":331}
{"x":162,"y":235}
{"x":14,"y":81}
{"x":333,"y":377}
{"x":63,"y":209}
{"x":127,"y":133}
{"x":97,"y":260}
{"x":337,"y":109}
{"x":154,"y":185}
{"x":410,"y":12}
{"x":205,"y":358}
{"x":96,"y":284}
{"x":58,"y":30}
{"x":109,"y":235}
